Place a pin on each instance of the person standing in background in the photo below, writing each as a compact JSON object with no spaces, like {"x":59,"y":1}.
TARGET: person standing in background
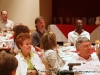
{"x":5,"y":23}
{"x":78,"y":32}
{"x":38,"y":33}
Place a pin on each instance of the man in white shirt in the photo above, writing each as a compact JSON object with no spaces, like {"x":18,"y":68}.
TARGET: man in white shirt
{"x":78,"y":32}
{"x":5,"y":23}
{"x":89,"y":62}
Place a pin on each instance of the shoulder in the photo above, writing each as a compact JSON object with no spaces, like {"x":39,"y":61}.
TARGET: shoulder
{"x":18,"y":57}
{"x":50,"y":54}
{"x":71,"y":33}
{"x":35,"y":56}
{"x":85,"y":32}
{"x":35,"y":32}
{"x":10,"y":21}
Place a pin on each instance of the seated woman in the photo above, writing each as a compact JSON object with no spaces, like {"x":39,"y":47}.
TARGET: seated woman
{"x":20,"y":28}
{"x":49,"y":44}
{"x":29,"y":63}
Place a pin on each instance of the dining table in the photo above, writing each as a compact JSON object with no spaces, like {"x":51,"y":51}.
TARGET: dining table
{"x":6,"y":42}
{"x":68,"y":52}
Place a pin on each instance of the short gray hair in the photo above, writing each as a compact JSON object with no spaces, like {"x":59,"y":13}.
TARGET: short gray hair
{"x":80,"y":40}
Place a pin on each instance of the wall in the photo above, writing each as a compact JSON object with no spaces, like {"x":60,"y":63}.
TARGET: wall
{"x":76,"y":8}
{"x":46,"y":11}
{"x":24,"y":11}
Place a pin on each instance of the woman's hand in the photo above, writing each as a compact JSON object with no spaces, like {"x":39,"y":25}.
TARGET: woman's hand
{"x":38,"y":49}
{"x":31,"y":72}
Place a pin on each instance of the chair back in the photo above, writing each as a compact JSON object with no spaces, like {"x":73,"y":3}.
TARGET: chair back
{"x":47,"y":66}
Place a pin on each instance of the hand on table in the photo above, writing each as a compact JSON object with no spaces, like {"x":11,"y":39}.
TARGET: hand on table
{"x":31,"y":72}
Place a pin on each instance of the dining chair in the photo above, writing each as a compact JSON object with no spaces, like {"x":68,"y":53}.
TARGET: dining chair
{"x":70,"y":71}
{"x":67,"y":20}
{"x":84,"y":19}
{"x":91,"y":21}
{"x":47,"y":66}
{"x":97,"y":22}
{"x":73,"y":20}
{"x":60,"y":20}
{"x":54,"y":20}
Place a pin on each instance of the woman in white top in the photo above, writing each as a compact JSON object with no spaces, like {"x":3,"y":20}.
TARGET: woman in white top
{"x":29,"y":63}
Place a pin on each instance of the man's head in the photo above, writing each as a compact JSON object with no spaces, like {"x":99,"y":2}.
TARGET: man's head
{"x":4,"y":15}
{"x":83,"y":46}
{"x":8,"y":64}
{"x":78,"y":24}
{"x":40,"y":23}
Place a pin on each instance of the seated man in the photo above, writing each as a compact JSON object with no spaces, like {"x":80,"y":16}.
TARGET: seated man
{"x":38,"y":33}
{"x":8,"y":64}
{"x":5,"y":23}
{"x":89,"y":62}
{"x":78,"y":32}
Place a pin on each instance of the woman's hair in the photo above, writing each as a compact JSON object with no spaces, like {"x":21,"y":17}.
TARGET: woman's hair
{"x":80,"y":40}
{"x":48,"y":41}
{"x":98,"y":52}
{"x":21,"y":37}
{"x":20,"y":28}
{"x":8,"y":63}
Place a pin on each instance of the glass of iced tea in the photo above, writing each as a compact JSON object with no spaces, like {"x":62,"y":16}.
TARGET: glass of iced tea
{"x":4,"y":34}
{"x":97,"y":42}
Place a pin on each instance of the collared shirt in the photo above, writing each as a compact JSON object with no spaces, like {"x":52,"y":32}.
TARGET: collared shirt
{"x":35,"y":60}
{"x":73,"y":36}
{"x":7,"y":25}
{"x":29,"y":64}
{"x":36,"y":37}
{"x":87,"y":67}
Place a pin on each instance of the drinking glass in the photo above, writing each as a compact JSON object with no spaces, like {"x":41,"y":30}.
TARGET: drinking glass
{"x":97,"y":42}
{"x":64,"y":44}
